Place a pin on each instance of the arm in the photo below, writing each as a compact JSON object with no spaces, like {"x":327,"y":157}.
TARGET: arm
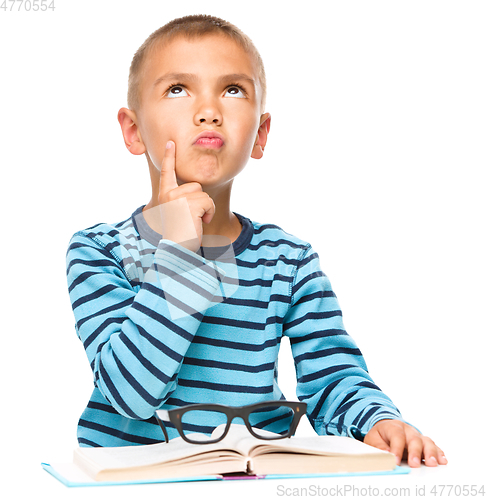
{"x":331,"y":373}
{"x":136,"y":342}
{"x":333,"y":377}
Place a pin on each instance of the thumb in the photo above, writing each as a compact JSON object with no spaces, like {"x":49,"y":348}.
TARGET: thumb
{"x":374,"y":438}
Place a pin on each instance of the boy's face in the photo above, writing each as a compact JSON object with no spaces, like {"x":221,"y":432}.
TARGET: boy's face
{"x":193,"y":87}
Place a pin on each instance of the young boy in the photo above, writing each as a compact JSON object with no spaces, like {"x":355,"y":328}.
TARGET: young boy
{"x":185,"y":301}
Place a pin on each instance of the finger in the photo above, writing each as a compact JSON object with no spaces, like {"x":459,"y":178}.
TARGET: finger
{"x":415,"y":450}
{"x":397,"y":443}
{"x":432,"y":454}
{"x":205,"y":207}
{"x":442,"y":460}
{"x":210,"y":211}
{"x":168,"y":180}
{"x":184,"y":190}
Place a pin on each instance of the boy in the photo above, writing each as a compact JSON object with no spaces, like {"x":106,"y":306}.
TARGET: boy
{"x":185,"y":301}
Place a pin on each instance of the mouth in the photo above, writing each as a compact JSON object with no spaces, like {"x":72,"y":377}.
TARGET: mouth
{"x":209,"y":140}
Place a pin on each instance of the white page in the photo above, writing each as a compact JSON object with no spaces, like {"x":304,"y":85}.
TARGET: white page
{"x":139,"y":456}
{"x":329,"y":445}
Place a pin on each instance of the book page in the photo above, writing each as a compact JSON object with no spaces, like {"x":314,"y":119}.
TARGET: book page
{"x":139,"y":456}
{"x":240,"y":439}
{"x":319,"y":445}
{"x":237,"y":442}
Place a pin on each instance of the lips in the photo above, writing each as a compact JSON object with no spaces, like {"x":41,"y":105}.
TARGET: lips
{"x":209,"y":140}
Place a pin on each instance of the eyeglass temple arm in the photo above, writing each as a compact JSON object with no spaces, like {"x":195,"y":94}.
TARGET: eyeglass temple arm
{"x":298,"y":416}
{"x":160,"y":416}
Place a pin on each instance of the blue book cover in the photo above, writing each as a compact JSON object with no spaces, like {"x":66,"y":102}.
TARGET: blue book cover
{"x":72,"y":476}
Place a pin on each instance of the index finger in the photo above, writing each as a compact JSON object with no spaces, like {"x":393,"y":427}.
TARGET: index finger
{"x":168,"y":180}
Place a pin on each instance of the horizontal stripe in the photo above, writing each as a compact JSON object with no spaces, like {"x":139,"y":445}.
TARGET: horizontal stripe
{"x":117,"y":306}
{"x":313,"y":296}
{"x":318,"y":334}
{"x":199,"y":384}
{"x":160,"y":346}
{"x":264,"y":261}
{"x":318,"y":316}
{"x":163,"y":321}
{"x":100,"y":329}
{"x":94,"y":295}
{"x":328,"y":352}
{"x":240,"y":346}
{"x":88,"y":443}
{"x":324,"y":373}
{"x":262,"y":283}
{"x":210,"y":363}
{"x":268,"y":242}
{"x":117,"y":433}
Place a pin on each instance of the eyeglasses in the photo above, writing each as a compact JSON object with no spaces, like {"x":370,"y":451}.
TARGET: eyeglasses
{"x":279,"y":417}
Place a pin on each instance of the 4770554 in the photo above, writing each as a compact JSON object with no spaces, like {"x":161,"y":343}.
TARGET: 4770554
{"x":27,"y":6}
{"x":457,"y":490}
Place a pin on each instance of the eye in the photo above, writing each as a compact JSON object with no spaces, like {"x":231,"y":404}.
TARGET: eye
{"x":176,"y":91}
{"x":235,"y":91}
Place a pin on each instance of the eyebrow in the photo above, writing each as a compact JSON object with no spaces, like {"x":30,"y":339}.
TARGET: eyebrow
{"x":194,"y":78}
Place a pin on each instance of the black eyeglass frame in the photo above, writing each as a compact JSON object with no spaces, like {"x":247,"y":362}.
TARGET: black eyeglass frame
{"x":175,"y":415}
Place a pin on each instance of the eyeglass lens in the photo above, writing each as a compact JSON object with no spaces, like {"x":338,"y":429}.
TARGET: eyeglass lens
{"x":204,"y":423}
{"x":273,"y":418}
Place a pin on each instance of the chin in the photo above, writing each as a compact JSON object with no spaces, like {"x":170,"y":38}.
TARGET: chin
{"x":202,"y":170}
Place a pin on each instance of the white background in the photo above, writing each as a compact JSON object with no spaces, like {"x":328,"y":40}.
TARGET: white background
{"x":377,"y":156}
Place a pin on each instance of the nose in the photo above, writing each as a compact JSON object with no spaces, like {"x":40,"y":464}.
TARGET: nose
{"x":209,"y":113}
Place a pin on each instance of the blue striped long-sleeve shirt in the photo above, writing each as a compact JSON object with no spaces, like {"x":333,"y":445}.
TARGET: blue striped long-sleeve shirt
{"x":164,"y":327}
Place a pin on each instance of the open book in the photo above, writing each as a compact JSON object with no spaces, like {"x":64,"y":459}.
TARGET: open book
{"x":238,"y":452}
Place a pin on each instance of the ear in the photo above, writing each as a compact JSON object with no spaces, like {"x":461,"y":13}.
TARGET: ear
{"x":131,"y":135}
{"x":261,"y":140}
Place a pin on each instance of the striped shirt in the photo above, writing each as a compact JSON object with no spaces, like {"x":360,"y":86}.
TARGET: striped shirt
{"x":164,"y":327}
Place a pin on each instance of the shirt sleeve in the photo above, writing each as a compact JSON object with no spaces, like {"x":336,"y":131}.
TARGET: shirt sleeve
{"x":136,"y":341}
{"x":332,"y":376}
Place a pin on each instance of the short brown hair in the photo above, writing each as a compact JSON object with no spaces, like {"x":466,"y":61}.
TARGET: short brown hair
{"x":190,"y":27}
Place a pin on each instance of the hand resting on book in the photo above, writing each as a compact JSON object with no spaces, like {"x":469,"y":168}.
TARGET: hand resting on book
{"x":405,"y":442}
